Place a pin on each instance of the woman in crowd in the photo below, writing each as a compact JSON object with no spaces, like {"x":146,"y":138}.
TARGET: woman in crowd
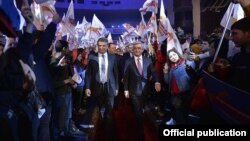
{"x":178,"y":73}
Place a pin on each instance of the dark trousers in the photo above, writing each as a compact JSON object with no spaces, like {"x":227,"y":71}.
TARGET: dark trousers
{"x":106,"y":110}
{"x":138,"y":105}
{"x":8,"y":124}
{"x":44,"y":127}
{"x":78,"y":98}
{"x":62,"y":113}
{"x":181,"y":107}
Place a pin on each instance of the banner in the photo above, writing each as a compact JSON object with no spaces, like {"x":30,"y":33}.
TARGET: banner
{"x":231,"y":103}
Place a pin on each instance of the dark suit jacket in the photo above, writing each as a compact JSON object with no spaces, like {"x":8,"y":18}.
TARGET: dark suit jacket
{"x":92,"y":76}
{"x":41,"y":69}
{"x":134,"y":82}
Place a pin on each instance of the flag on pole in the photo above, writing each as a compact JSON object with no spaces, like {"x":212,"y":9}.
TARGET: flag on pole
{"x":96,"y":23}
{"x":47,"y":11}
{"x":140,"y":29}
{"x":152,"y":24}
{"x":128,"y":27}
{"x":110,"y":40}
{"x":84,"y":21}
{"x":237,"y":14}
{"x":11,"y":18}
{"x":149,"y":5}
{"x":68,"y":21}
{"x":96,"y":30}
{"x":70,"y":15}
{"x":49,"y":6}
{"x":165,"y":31}
{"x":36,"y":11}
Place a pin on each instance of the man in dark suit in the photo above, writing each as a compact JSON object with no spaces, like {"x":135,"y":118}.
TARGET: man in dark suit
{"x":137,"y":81}
{"x":101,"y":81}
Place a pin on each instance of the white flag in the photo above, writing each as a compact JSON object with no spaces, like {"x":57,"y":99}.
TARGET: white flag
{"x":76,"y":77}
{"x":237,"y":14}
{"x":152,"y":24}
{"x":150,"y":5}
{"x":110,"y":40}
{"x":165,"y":31}
{"x":28,"y":71}
{"x":128,"y":27}
{"x":70,"y":15}
{"x":96,"y":30}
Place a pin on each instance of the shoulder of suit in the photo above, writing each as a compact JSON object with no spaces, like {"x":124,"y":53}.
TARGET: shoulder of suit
{"x":146,"y":58}
{"x":93,"y":56}
{"x":111,"y":55}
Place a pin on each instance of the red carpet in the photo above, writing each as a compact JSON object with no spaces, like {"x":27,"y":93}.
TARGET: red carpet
{"x":125,"y":125}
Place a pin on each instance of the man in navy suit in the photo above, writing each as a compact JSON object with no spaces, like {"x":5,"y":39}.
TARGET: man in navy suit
{"x":101,"y":81}
{"x":138,"y":78}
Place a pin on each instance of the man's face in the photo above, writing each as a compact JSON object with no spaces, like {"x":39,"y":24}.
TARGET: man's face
{"x":102,"y":47}
{"x":173,"y":57}
{"x":240,"y":38}
{"x":130,"y":48}
{"x":137,"y":50}
{"x":112,"y":48}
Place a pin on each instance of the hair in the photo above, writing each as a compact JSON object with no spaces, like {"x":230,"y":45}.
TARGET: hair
{"x":111,"y":44}
{"x":60,"y":45}
{"x":173,"y":50}
{"x":80,"y":51}
{"x":137,"y":42}
{"x":102,"y":39}
{"x":242,"y":24}
{"x":164,"y":49}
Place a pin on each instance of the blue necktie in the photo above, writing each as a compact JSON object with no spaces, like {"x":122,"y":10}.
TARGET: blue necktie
{"x":103,"y":78}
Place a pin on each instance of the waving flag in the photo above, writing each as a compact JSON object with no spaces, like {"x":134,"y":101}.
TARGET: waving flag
{"x":152,"y":24}
{"x":237,"y":14}
{"x":141,"y":27}
{"x":149,"y":5}
{"x":110,"y":40}
{"x":70,"y":15}
{"x":68,"y":21}
{"x":128,"y":27}
{"x":165,"y":31}
{"x":43,"y":13}
{"x":96,"y":30}
{"x":84,"y":21}
{"x":11,"y":19}
{"x":36,"y":11}
{"x":49,"y":6}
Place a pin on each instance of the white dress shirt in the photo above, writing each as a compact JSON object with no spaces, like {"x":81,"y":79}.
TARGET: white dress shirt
{"x":106,"y":65}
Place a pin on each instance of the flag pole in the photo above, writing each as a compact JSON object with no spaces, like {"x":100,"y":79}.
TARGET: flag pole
{"x":223,"y":34}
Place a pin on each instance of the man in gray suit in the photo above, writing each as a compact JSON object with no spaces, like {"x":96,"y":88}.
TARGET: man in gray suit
{"x":138,"y":77}
{"x":102,"y":82}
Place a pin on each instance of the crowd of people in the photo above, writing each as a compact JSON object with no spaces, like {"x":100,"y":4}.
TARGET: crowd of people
{"x":42,"y":82}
